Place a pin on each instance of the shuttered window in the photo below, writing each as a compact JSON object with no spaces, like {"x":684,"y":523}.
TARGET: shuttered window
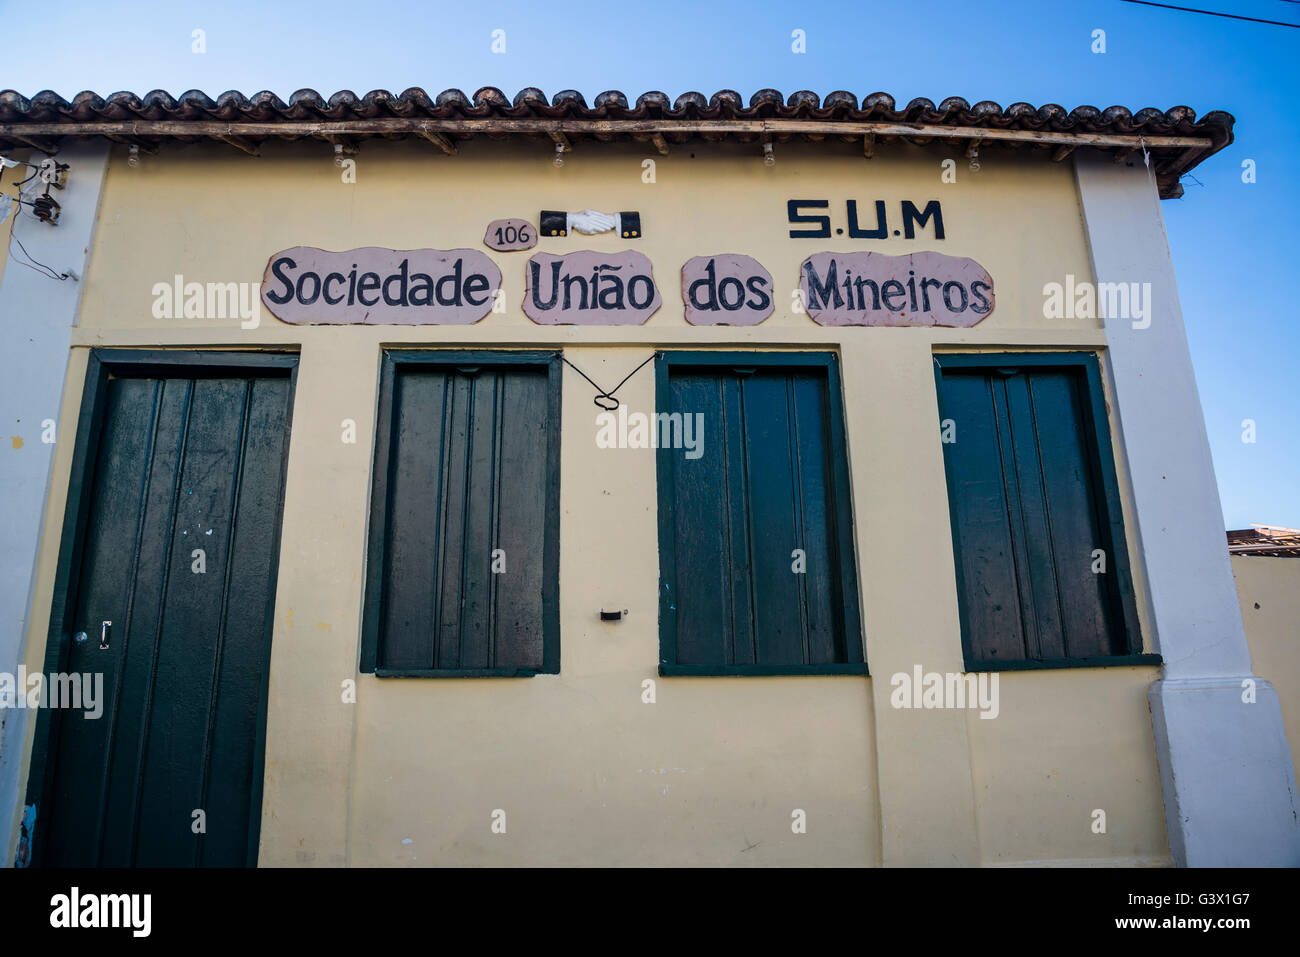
{"x":463,"y":563}
{"x":1038,"y":537}
{"x":755,"y":534}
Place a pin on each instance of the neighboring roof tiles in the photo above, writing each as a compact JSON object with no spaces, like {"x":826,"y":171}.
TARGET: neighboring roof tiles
{"x":1175,"y":138}
{"x":1270,"y":541}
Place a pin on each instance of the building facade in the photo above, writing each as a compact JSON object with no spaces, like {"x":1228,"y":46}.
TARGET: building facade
{"x":1267,"y":573}
{"x":476,"y":482}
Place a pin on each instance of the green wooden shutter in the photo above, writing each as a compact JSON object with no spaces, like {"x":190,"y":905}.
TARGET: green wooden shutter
{"x":771,"y":479}
{"x":466,"y":480}
{"x":1035,"y":509}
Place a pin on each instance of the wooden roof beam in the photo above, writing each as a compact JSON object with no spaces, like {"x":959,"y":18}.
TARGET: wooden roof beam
{"x":440,"y":140}
{"x":37,"y":143}
{"x":142,"y":145}
{"x":240,"y":143}
{"x":343,"y":144}
{"x":557,"y":129}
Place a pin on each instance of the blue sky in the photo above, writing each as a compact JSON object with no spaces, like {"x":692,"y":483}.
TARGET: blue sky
{"x":1232,"y":242}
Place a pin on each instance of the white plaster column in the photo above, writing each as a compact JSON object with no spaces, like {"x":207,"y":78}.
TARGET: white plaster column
{"x":37,"y":314}
{"x":1229,"y":784}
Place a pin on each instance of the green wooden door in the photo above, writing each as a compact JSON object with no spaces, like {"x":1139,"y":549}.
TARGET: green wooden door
{"x":178,"y":552}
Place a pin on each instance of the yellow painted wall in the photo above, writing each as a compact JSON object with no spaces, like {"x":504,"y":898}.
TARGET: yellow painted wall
{"x":1038,"y":783}
{"x":586,"y":772}
{"x":1269,"y":592}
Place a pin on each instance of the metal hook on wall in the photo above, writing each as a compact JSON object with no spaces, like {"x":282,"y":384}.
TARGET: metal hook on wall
{"x":602,"y":397}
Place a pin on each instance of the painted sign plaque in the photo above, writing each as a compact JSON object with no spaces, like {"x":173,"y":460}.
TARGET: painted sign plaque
{"x":507,"y":235}
{"x":376,"y":286}
{"x":726,"y":290}
{"x":872,"y":289}
{"x":590,"y":289}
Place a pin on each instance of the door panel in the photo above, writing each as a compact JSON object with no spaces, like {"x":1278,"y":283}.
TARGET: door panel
{"x":1028,"y":511}
{"x":753,"y":525}
{"x":179,"y":553}
{"x":466,"y":476}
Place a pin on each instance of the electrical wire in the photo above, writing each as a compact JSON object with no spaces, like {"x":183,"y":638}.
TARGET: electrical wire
{"x":601,"y":393}
{"x":1215,"y":13}
{"x":32,"y":263}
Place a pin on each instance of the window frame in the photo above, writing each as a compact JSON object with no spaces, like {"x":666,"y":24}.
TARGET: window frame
{"x":391,"y":362}
{"x":1105,"y":481}
{"x":841,"y":489}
